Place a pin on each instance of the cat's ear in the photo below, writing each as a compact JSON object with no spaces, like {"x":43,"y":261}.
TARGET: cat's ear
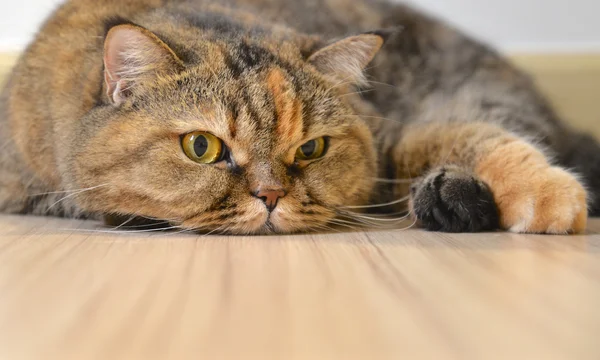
{"x":345,"y":60}
{"x":133,"y":55}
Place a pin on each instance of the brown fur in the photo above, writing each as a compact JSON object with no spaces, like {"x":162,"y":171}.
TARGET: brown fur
{"x":92,"y":117}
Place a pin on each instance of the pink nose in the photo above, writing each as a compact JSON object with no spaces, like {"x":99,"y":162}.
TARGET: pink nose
{"x":270,"y":197}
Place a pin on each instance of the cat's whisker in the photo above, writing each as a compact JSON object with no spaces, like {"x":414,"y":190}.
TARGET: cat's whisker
{"x":363,"y":224}
{"x":329,"y":228}
{"x":403,"y":213}
{"x":403,"y":199}
{"x":344,"y":228}
{"x":408,"y":227}
{"x":74,"y":194}
{"x":349,"y":224}
{"x":125,"y":232}
{"x":159,"y":219}
{"x":388,"y":225}
{"x":356,"y":216}
{"x":381,"y":83}
{"x":66,"y":191}
{"x":181,"y":231}
{"x":397,"y":219}
{"x":316,"y":228}
{"x":165,"y":229}
{"x":221,"y":228}
{"x":140,"y":226}
{"x":358,"y":221}
{"x":125,"y":223}
{"x":391,"y":227}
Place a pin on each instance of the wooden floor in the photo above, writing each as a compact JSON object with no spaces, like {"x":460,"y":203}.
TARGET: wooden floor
{"x":71,"y":290}
{"x":67,"y":292}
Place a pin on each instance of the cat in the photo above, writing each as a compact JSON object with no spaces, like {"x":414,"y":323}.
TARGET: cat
{"x":283,"y":116}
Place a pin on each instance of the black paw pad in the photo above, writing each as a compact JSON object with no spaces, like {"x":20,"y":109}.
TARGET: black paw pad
{"x":454,"y":201}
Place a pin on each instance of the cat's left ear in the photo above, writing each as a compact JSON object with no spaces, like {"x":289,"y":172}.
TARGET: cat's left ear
{"x":132,"y":56}
{"x":345,"y":60}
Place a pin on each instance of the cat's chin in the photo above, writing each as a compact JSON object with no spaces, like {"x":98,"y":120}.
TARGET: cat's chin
{"x":281,"y":221}
{"x":276,"y":222}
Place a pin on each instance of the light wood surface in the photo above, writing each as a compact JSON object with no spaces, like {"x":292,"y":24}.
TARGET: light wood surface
{"x":76,"y":294}
{"x":71,"y":290}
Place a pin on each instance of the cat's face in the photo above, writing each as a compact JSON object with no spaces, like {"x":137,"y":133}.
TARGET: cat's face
{"x":231,"y":147}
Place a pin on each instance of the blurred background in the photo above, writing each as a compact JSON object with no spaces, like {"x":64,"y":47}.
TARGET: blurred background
{"x":511,"y":25}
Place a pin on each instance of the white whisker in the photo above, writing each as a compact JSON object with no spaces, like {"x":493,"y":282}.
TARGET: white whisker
{"x":220,"y":228}
{"x":351,"y":224}
{"x":66,"y":191}
{"x":74,"y":194}
{"x":381,"y":83}
{"x":141,"y":225}
{"x":408,"y":227}
{"x":359,"y":221}
{"x":122,"y":232}
{"x":355,"y":216}
{"x":126,"y":222}
{"x":316,"y":228}
{"x":377,"y":205}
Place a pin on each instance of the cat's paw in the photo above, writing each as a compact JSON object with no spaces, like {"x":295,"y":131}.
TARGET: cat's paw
{"x":453,"y":200}
{"x":552,"y":201}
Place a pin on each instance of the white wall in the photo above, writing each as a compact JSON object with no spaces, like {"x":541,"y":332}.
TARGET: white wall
{"x":512,"y":25}
{"x":19,"y":20}
{"x":525,"y":25}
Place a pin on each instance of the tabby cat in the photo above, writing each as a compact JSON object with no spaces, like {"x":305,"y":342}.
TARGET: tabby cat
{"x":282,"y":116}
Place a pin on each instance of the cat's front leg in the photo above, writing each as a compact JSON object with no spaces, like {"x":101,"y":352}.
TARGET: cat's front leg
{"x":473,"y":163}
{"x":532,"y":195}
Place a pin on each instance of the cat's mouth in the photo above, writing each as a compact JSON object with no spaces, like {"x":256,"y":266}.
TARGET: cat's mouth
{"x":288,"y":217}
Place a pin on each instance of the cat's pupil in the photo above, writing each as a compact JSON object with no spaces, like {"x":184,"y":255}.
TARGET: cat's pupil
{"x":200,"y":146}
{"x":309,"y":148}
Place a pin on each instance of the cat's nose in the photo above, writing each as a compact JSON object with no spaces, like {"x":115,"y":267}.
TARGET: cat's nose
{"x":270,"y":196}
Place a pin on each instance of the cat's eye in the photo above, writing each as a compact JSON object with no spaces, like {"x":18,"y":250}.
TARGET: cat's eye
{"x":312,"y":150}
{"x":202,"y":147}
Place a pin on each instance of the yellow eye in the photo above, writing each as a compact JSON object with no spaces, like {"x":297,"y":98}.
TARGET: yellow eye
{"x":312,"y":150}
{"x":202,"y":147}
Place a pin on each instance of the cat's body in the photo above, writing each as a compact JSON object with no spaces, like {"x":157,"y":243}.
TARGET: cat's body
{"x":444,"y":111}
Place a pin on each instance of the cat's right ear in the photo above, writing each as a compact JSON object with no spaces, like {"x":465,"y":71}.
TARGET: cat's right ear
{"x":134,"y":55}
{"x":346,"y":59}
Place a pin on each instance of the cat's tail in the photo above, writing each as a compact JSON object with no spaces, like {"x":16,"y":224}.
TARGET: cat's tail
{"x":581,"y":152}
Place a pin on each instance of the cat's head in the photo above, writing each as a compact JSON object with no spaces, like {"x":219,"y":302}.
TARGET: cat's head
{"x":254,"y":137}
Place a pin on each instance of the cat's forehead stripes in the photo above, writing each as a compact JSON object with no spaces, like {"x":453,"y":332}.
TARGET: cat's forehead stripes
{"x":246,"y":56}
{"x":288,"y":108}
